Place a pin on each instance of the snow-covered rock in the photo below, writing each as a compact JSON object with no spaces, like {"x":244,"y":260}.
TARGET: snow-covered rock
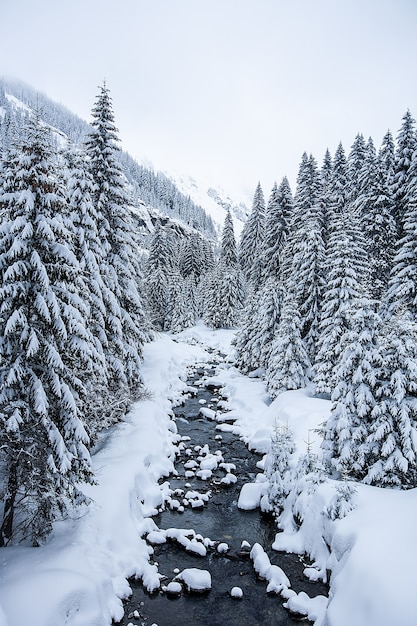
{"x":250,"y":495}
{"x":198,"y":580}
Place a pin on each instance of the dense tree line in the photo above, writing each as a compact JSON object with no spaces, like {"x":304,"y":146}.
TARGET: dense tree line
{"x":333,"y":305}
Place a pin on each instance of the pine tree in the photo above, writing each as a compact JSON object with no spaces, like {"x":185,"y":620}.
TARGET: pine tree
{"x":346,"y":271}
{"x":159,"y":267}
{"x":375,"y":207}
{"x":402,"y":289}
{"x":289,"y":365}
{"x":392,"y":431}
{"x":305,"y":274}
{"x":277,"y":467}
{"x":86,"y":245}
{"x":387,"y":157}
{"x":228,"y":249}
{"x":251,"y":242}
{"x":259,"y":326}
{"x":355,"y":163}
{"x":278,"y":215}
{"x":184,"y":306}
{"x":126,"y":324}
{"x":224,"y":292}
{"x":355,"y":394}
{"x":406,"y":145}
{"x":44,"y":345}
{"x":262,"y":311}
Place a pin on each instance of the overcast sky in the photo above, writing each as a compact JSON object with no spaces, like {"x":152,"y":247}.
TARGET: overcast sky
{"x":233,"y":91}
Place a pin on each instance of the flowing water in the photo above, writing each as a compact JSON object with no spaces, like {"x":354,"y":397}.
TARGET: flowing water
{"x":222,"y":521}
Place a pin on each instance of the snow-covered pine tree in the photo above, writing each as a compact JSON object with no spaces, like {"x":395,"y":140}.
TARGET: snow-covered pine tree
{"x":262,"y":311}
{"x":44,"y":345}
{"x":225,"y":292}
{"x":79,"y":187}
{"x":387,"y":157}
{"x":406,"y":145}
{"x":375,"y":206}
{"x":192,"y":261}
{"x":402,"y":289}
{"x":228,"y":248}
{"x":305,"y":276}
{"x":289,"y":365}
{"x":277,"y":467}
{"x":159,"y":268}
{"x":126,"y":323}
{"x":345,"y":273}
{"x":392,"y":431}
{"x":355,"y":164}
{"x":277,"y":220}
{"x":251,"y":241}
{"x":355,"y":394}
{"x":184,"y":306}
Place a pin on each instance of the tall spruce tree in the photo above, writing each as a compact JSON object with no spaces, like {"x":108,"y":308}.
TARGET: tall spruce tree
{"x":392,"y":431}
{"x":159,"y":268}
{"x":402,"y":289}
{"x":277,"y":220}
{"x":375,"y":207}
{"x":126,"y":324}
{"x":44,"y":345}
{"x":345,"y":269}
{"x":224,"y":292}
{"x":251,"y":241}
{"x":289,"y":365}
{"x":355,"y":394}
{"x":262,"y":311}
{"x":406,"y":145}
{"x":79,"y":186}
{"x":305,"y":279}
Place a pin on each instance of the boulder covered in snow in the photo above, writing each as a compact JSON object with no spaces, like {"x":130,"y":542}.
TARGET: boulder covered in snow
{"x":250,"y":495}
{"x":196,"y":580}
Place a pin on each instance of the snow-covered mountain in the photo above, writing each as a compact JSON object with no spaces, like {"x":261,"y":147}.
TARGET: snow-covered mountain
{"x":193,"y":203}
{"x":214,"y":199}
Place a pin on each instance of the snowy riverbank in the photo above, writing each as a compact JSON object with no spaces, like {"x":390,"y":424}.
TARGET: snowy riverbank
{"x":79,"y":577}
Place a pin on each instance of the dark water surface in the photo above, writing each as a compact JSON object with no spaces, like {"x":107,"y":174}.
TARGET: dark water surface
{"x":222,"y":521}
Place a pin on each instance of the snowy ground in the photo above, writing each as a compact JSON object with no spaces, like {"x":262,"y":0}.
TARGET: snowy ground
{"x":79,"y":577}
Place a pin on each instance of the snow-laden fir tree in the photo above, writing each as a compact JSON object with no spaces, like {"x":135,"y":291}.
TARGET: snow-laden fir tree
{"x":402,"y":289}
{"x":259,"y":327}
{"x":289,"y":365}
{"x":406,"y":145}
{"x":44,"y":346}
{"x":375,"y":207}
{"x":262,"y":311}
{"x":277,"y":220}
{"x":158,"y":270}
{"x":355,"y":163}
{"x":126,"y":323}
{"x":345,"y":273}
{"x":228,"y":248}
{"x":277,"y":468}
{"x":224,"y":293}
{"x":184,"y":308}
{"x":86,"y":246}
{"x":392,"y":431}
{"x":306,"y":250}
{"x":387,"y":157}
{"x":193,"y":262}
{"x":251,"y":241}
{"x":355,"y":396}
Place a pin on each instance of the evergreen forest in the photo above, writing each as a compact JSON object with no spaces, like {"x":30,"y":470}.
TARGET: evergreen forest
{"x":321,"y":287}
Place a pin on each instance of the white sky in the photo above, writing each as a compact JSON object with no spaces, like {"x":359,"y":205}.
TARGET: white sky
{"x":230,"y":90}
